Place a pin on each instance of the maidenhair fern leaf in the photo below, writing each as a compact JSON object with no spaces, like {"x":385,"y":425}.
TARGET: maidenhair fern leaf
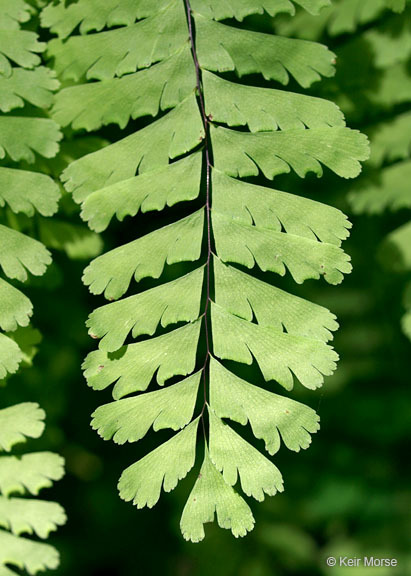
{"x":175,"y":134}
{"x":19,"y":422}
{"x":91,"y":15}
{"x":117,"y":100}
{"x":28,"y":192}
{"x":248,"y":298}
{"x":29,"y":473}
{"x":20,"y":253}
{"x":194,"y":152}
{"x":152,"y":190}
{"x":222,"y":48}
{"x":275,"y":210}
{"x":19,"y":47}
{"x":243,"y":154}
{"x":13,"y":14}
{"x":27,"y":554}
{"x":38,"y":517}
{"x":32,"y":86}
{"x":278,"y":355}
{"x":10,"y":356}
{"x":266,"y":109}
{"x":145,"y":257}
{"x":276,"y":251}
{"x":212,"y":495}
{"x":271,"y":416}
{"x":133,"y":368}
{"x":161,"y":468}
{"x":390,"y":191}
{"x":158,"y":36}
{"x":235,"y":457}
{"x":24,"y":84}
{"x":129,"y":419}
{"x":15,"y":308}
{"x":176,"y":301}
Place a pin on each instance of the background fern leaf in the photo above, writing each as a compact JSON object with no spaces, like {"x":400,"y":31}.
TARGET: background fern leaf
{"x":24,"y":197}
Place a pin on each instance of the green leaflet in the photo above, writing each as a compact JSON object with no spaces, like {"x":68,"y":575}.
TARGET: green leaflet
{"x":406,"y":319}
{"x":396,"y":249}
{"x":239,"y":9}
{"x":234,"y":457}
{"x":29,"y":473}
{"x":144,"y":93}
{"x":163,"y":467}
{"x":345,"y":16}
{"x":20,"y":253}
{"x":391,"y":140}
{"x":19,"y":47}
{"x":15,"y":308}
{"x":176,"y":301}
{"x":269,"y":414}
{"x":118,"y":52}
{"x":27,"y":192}
{"x":246,"y":297}
{"x":211,"y":494}
{"x":276,"y":251}
{"x":12,"y":14}
{"x":175,"y":134}
{"x":266,"y":109}
{"x":241,"y":154}
{"x":166,"y":356}
{"x":20,"y":515}
{"x":27,"y":554}
{"x":24,"y":84}
{"x":20,"y":422}
{"x":39,"y":135}
{"x":93,"y":15}
{"x":278,"y":355}
{"x":221,"y":10}
{"x":32,"y":86}
{"x":149,"y":191}
{"x":192,"y":151}
{"x":145,"y":257}
{"x":396,"y":5}
{"x":10,"y":356}
{"x":388,"y":47}
{"x":75,"y":240}
{"x":129,"y":420}
{"x":278,"y":211}
{"x":391,"y":191}
{"x":222,"y":48}
{"x":4,"y":571}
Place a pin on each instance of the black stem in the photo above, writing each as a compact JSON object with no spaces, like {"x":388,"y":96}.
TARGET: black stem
{"x":206,"y":124}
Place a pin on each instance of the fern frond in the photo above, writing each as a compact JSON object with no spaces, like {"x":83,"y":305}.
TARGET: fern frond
{"x":22,"y":138}
{"x":193,"y":152}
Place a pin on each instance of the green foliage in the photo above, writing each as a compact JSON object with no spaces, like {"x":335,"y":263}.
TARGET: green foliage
{"x":23,"y":84}
{"x":383,"y":84}
{"x":146,"y":67}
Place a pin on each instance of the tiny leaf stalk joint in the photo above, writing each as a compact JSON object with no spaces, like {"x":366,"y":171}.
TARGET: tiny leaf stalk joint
{"x":175,"y":59}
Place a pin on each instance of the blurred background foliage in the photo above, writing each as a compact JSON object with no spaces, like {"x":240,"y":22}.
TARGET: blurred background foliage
{"x":349,"y":494}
